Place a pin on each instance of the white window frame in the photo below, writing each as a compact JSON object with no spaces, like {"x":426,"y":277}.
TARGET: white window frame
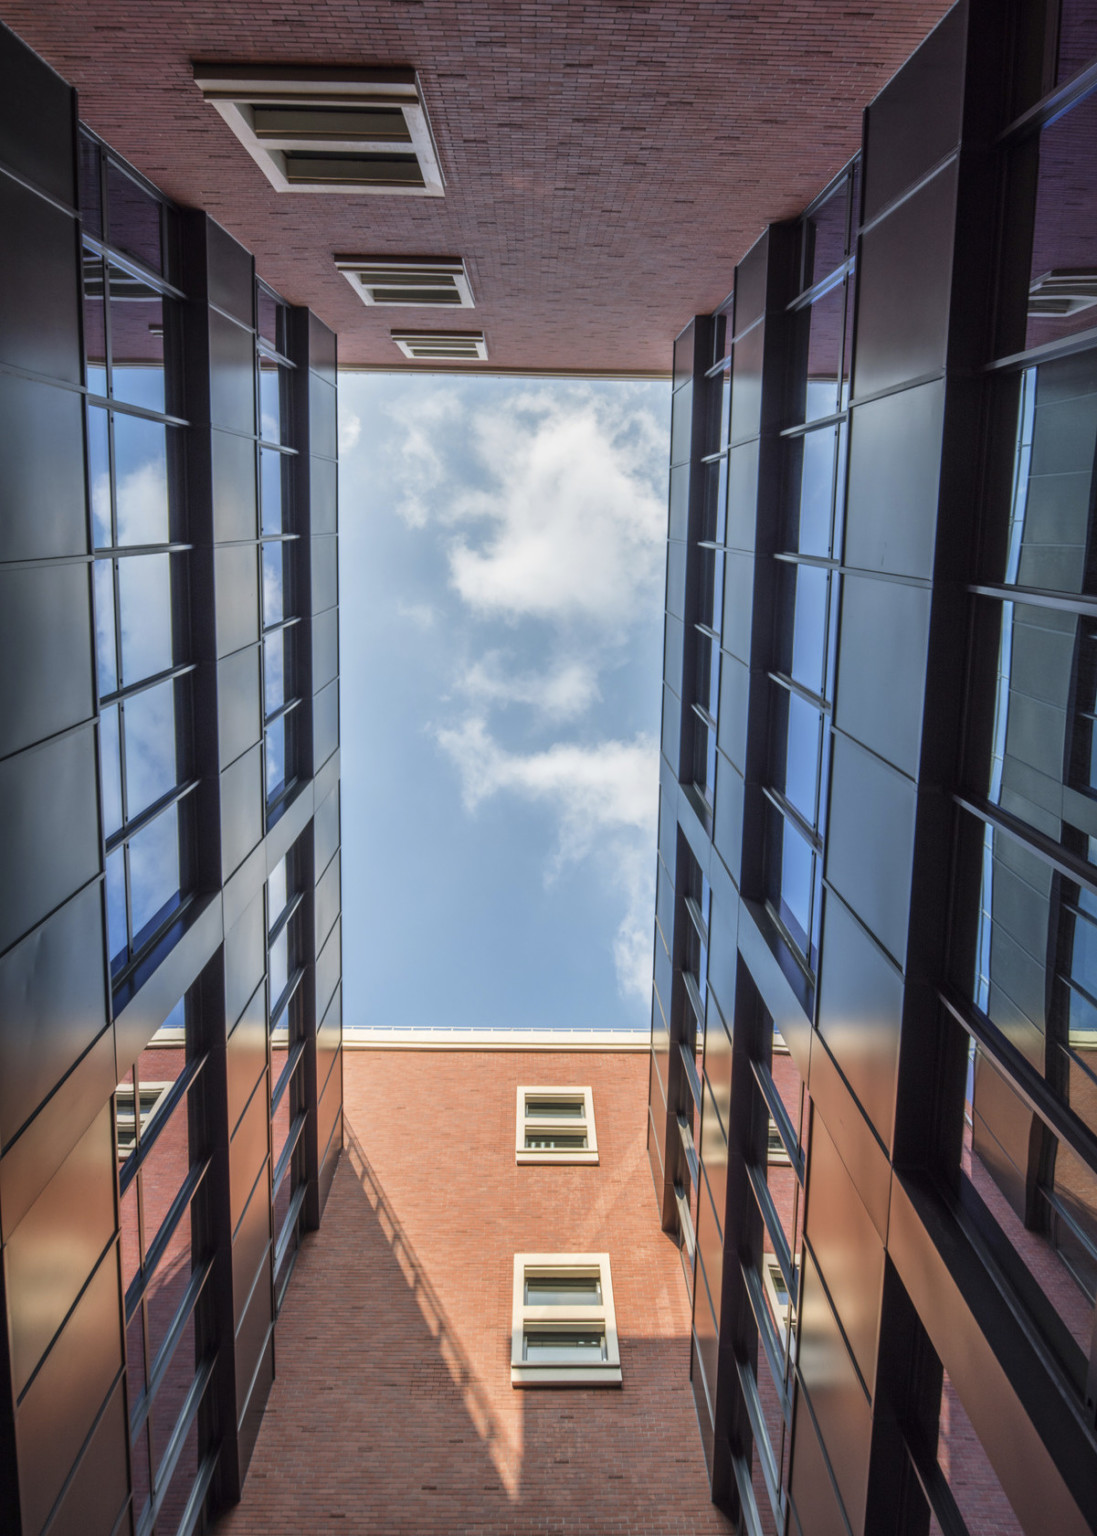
{"x":367,"y":277}
{"x":127,"y":1111}
{"x":560,"y":1373}
{"x":235,"y":90}
{"x":442,"y":346}
{"x":528,"y":1123}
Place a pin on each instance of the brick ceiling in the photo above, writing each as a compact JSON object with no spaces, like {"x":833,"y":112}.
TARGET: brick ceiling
{"x":605,"y":164}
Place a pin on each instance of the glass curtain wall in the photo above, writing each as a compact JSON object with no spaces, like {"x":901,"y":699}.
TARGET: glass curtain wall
{"x":144,"y":664}
{"x":286,"y":1031}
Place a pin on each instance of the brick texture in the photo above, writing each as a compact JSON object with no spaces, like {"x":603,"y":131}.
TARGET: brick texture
{"x":392,"y":1411}
{"x":606,"y":165}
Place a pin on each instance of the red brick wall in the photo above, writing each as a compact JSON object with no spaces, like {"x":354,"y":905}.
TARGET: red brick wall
{"x":393,"y":1410}
{"x":606,"y":165}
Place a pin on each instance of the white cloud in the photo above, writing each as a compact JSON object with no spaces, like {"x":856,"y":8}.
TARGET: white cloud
{"x":422,"y":615}
{"x":350,"y":429}
{"x":573,"y":519}
{"x":562,"y":693}
{"x":606,"y":799}
{"x":425,"y":477}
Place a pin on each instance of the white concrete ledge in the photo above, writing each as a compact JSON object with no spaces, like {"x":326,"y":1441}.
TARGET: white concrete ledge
{"x":496,"y":1039}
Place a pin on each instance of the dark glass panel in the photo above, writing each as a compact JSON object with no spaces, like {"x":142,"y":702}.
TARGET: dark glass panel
{"x":163,"y":1170}
{"x":820,"y":328}
{"x":110,"y":767}
{"x":141,"y":480}
{"x":95,"y":325}
{"x":136,"y":341}
{"x":154,"y":873}
{"x":99,"y":476}
{"x":790,"y":874}
{"x":91,"y":211}
{"x":274,"y":470}
{"x":279,"y":1124}
{"x":274,"y":670}
{"x":273,"y":402}
{"x":802,"y":610}
{"x":135,"y":1356}
{"x":151,"y":759}
{"x":714,"y":526}
{"x":825,"y":237}
{"x":133,"y":218}
{"x":142,"y":1477}
{"x":274,"y":605}
{"x":810,"y":480}
{"x":183,"y":1476}
{"x":268,"y":315}
{"x":797,"y":741}
{"x":116,"y":907}
{"x":129,"y":1224}
{"x":1063,"y":277}
{"x":1044,"y":537}
{"x":144,"y":589}
{"x":789,"y":1085}
{"x":105,"y":644}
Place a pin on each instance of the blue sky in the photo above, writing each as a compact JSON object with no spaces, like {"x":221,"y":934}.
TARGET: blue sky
{"x":501,"y":594}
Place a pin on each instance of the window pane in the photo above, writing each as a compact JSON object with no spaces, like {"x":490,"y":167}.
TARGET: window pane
{"x":110,"y":768}
{"x":811,"y":484}
{"x":820,"y":328}
{"x":144,"y":584}
{"x":116,"y":906}
{"x":1063,"y":280}
{"x":133,"y":218}
{"x":136,"y":341}
{"x":276,"y":757}
{"x":274,"y":468}
{"x":183,"y":1476}
{"x":563,"y":1291}
{"x":154,"y":873}
{"x":279,"y":966}
{"x":90,"y":196}
{"x":555,"y":1141}
{"x":267,"y":315}
{"x":273,"y":583}
{"x":555,"y":1109}
{"x":276,"y":893}
{"x":272,"y":402}
{"x":105,"y":649}
{"x":141,"y":475}
{"x":151,"y":763}
{"x":95,"y":324}
{"x":568,"y":1347}
{"x":798,"y":776}
{"x":99,"y":477}
{"x":789,"y":877}
{"x":803,"y":607}
{"x":825,"y":237}
{"x":274,"y":671}
{"x":971,"y":1478}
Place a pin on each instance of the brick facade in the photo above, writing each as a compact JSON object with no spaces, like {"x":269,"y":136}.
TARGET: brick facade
{"x":392,"y":1410}
{"x":605,"y":165}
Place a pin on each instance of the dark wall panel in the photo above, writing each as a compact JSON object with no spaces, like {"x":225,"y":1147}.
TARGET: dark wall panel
{"x":894,"y":477}
{"x":329,"y":963}
{"x":245,"y":958}
{"x":241,"y":809}
{"x":236,"y":574}
{"x":48,"y":800}
{"x":52,"y":1005}
{"x":250,"y":1248}
{"x":93,"y":1500}
{"x":45,"y":639}
{"x":327,"y":901}
{"x":325,"y":647}
{"x":322,"y":424}
{"x":325,"y":829}
{"x":41,"y":471}
{"x":882,"y":667}
{"x":860,"y":1012}
{"x":251,"y":1339}
{"x":837,"y":1397}
{"x":238,"y":707}
{"x":62,"y":1403}
{"x":814,"y":1499}
{"x":232,"y":375}
{"x":325,"y":724}
{"x":57,"y":1244}
{"x":323,"y":496}
{"x":230,"y":274}
{"x":39,"y":308}
{"x":248,"y":1150}
{"x":235,"y":506}
{"x":246,"y":1055}
{"x":847,"y":1249}
{"x":325,"y":576}
{"x":905,"y":279}
{"x":37,"y":118}
{"x":871,"y":841}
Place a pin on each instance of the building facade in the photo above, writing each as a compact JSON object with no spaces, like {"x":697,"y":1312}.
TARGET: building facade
{"x":872,"y":1085}
{"x":170,"y":1036}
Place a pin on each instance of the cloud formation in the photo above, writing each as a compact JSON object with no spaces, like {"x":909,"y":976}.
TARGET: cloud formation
{"x":561,"y":693}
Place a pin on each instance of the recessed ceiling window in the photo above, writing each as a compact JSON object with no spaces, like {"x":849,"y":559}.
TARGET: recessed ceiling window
{"x":442,"y":346}
{"x":555,"y":1125}
{"x":563,"y":1325}
{"x":434,"y":282}
{"x":328,"y":130}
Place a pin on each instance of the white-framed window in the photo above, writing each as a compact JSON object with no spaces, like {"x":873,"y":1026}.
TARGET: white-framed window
{"x":555,"y":1125}
{"x":563,"y":1324}
{"x":436,"y":282}
{"x":773,"y":1283}
{"x":133,"y":1111}
{"x":442,"y":346}
{"x":328,"y":130}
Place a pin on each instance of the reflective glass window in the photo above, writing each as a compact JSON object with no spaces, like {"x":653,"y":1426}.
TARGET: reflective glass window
{"x":802,"y":621}
{"x":821,"y":329}
{"x":273,"y":401}
{"x":136,"y":341}
{"x":154,"y":873}
{"x":145,"y":614}
{"x":141,"y":480}
{"x":273,"y":583}
{"x":825,"y":236}
{"x":1062,"y":296}
{"x":1077,"y":37}
{"x":274,"y":670}
{"x":99,"y":477}
{"x":95,"y":322}
{"x":151,"y":769}
{"x":106,"y":647}
{"x":274,"y":468}
{"x":134,"y":217}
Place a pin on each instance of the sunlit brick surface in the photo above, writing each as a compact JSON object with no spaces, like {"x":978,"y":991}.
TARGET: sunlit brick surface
{"x":605,"y":165}
{"x":392,"y":1411}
